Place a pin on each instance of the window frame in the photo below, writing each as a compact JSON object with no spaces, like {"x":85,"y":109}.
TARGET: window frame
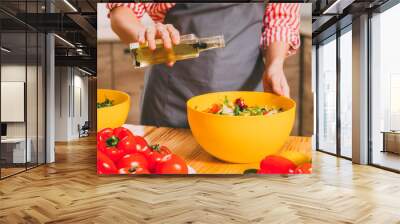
{"x":379,"y":10}
{"x":334,"y":37}
{"x":29,"y":29}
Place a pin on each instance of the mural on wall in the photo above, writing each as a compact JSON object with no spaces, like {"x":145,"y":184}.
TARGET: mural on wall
{"x":182,"y":96}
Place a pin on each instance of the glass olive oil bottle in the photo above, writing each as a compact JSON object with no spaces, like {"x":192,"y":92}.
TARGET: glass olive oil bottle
{"x":190,"y":46}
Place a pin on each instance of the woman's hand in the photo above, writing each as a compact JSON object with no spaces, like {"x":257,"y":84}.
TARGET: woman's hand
{"x":129,"y":29}
{"x":166,"y":32}
{"x":274,"y":79}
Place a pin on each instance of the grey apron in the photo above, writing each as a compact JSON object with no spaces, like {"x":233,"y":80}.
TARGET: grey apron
{"x":238,"y":66}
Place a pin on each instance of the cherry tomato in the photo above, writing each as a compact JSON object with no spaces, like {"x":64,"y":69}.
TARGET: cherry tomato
{"x":133,"y":170}
{"x":101,"y":146}
{"x":171,"y":164}
{"x":116,"y":143}
{"x":155,"y":155}
{"x":127,"y":145}
{"x":305,"y":168}
{"x":111,"y":152}
{"x":141,"y":145}
{"x":215,"y":108}
{"x":104,"y":134}
{"x":122,"y":132}
{"x":276,"y":165}
{"x":105,"y":165}
{"x":240,"y":103}
{"x":135,"y":160}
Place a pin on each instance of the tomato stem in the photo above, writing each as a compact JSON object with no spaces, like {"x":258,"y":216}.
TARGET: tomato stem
{"x":112,"y":141}
{"x":155,"y":147}
{"x":132,"y":169}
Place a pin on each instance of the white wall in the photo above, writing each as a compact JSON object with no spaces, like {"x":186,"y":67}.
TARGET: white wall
{"x":68,"y":82}
{"x":61,"y":103}
{"x":16,"y":73}
{"x":33,"y":127}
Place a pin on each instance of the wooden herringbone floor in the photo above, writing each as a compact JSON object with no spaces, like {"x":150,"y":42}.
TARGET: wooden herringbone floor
{"x":69,"y":191}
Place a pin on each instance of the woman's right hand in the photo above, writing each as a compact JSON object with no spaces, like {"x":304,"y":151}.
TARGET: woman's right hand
{"x":129,"y":29}
{"x":166,"y":32}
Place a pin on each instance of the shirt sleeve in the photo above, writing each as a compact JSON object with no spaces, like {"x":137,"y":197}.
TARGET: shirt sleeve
{"x":137,"y":8}
{"x":281,"y":23}
{"x":156,"y":11}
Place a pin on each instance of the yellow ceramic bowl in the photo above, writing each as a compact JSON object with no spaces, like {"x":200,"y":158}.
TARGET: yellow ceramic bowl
{"x":116,"y":115}
{"x":240,"y":139}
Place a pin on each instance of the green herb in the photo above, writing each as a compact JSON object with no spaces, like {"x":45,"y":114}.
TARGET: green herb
{"x":106,"y":103}
{"x":239,"y":108}
{"x":236,"y":111}
{"x":226,"y":101}
{"x":250,"y":171}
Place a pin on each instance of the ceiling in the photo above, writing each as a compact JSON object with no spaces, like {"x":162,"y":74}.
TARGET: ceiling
{"x":331,"y":15}
{"x":72,"y":20}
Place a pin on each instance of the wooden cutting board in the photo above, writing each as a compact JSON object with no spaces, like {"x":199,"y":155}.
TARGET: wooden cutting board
{"x":181,"y":142}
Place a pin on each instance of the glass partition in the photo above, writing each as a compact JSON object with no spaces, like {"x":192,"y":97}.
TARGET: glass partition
{"x":326,"y":132}
{"x":385,"y":89}
{"x":346,"y":93}
{"x":22,"y":89}
{"x":13,"y":95}
{"x":31,"y":98}
{"x":41,"y":97}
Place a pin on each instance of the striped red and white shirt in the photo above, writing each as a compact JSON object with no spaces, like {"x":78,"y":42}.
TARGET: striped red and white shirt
{"x":281,"y":21}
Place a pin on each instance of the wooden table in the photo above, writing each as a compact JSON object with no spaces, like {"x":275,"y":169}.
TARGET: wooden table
{"x":181,"y":142}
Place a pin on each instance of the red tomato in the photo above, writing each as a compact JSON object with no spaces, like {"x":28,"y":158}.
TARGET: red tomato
{"x":138,"y":170}
{"x":305,"y":168}
{"x":276,"y":165}
{"x":215,"y":108}
{"x":104,"y":134}
{"x":171,"y":164}
{"x":122,"y":132}
{"x":105,"y":165}
{"x":155,"y":155}
{"x":101,"y":147}
{"x":240,"y":103}
{"x":111,"y":152}
{"x":141,"y":145}
{"x":135,"y":160}
{"x":116,"y":143}
{"x":127,"y":145}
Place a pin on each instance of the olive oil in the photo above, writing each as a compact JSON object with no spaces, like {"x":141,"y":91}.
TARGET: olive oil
{"x":189,"y":47}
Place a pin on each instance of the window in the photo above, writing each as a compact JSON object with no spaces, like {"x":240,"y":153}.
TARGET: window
{"x":346,"y":93}
{"x":22,"y":76}
{"x":385,"y":89}
{"x":327,"y":96}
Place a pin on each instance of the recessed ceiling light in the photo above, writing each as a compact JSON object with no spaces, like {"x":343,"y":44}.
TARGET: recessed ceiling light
{"x":5,"y":50}
{"x":65,"y":41}
{"x":337,"y":7}
{"x":70,"y":5}
{"x":84,"y":71}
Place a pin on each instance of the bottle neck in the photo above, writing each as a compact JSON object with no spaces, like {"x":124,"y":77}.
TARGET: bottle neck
{"x":209,"y":43}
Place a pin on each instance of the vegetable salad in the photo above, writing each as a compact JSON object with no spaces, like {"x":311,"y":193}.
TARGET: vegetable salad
{"x":106,"y":103}
{"x":240,"y":108}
